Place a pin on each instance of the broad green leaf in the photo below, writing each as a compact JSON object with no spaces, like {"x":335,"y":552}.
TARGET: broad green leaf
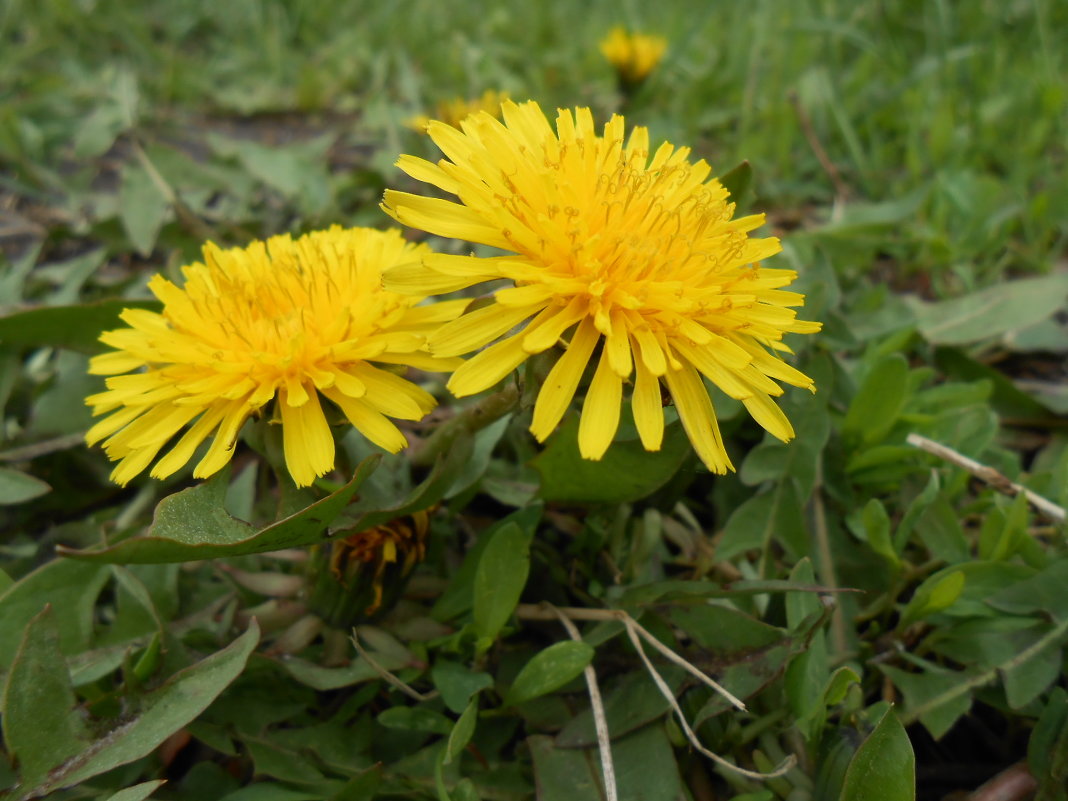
{"x":161,"y":713}
{"x":884,"y":767}
{"x":18,"y":487}
{"x":500,"y":578}
{"x":630,"y":704}
{"x":142,"y":207}
{"x":937,"y":700}
{"x":457,"y":683}
{"x":627,"y":472}
{"x":139,"y":792}
{"x":775,"y":516}
{"x":644,"y":761}
{"x":549,"y":670}
{"x":76,"y":327}
{"x":69,"y":587}
{"x":459,"y":595}
{"x":42,"y":725}
{"x":879,"y":400}
{"x":194,"y":524}
{"x":1043,"y":593}
{"x":877,"y":527}
{"x":991,"y":312}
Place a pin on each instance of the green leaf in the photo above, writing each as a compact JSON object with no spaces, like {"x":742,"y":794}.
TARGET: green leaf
{"x":632,"y":703}
{"x":1047,"y":750}
{"x":139,"y":792}
{"x":936,"y":593}
{"x":877,"y":527}
{"x":142,"y":207}
{"x":644,"y":764}
{"x":162,"y":712}
{"x":938,"y":700}
{"x":462,"y":732}
{"x":773,"y":516}
{"x":193,"y":524}
{"x":76,"y":327}
{"x":627,"y":472}
{"x":737,"y":181}
{"x":415,"y":718}
{"x":991,"y":312}
{"x":884,"y":767}
{"x":549,"y":670}
{"x":500,"y":578}
{"x":18,"y":487}
{"x":69,"y":587}
{"x":457,"y":683}
{"x":879,"y":400}
{"x":42,"y":725}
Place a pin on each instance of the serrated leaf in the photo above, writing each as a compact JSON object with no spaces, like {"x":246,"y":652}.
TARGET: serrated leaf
{"x":884,"y":767}
{"x":161,"y":713}
{"x":42,"y":725}
{"x":500,"y":578}
{"x":548,"y":670}
{"x":193,"y":524}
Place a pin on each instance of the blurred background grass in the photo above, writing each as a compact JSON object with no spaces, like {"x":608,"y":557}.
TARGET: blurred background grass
{"x":944,"y":121}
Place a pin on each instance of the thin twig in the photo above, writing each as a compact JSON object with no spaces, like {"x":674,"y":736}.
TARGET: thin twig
{"x":988,"y":474}
{"x":388,"y":677}
{"x":673,"y":657}
{"x":669,"y":696}
{"x":604,"y":744}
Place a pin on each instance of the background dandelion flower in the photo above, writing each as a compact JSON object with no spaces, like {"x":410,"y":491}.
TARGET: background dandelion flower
{"x":640,"y":254}
{"x":453,"y":111}
{"x":285,"y":318}
{"x":633,"y":55}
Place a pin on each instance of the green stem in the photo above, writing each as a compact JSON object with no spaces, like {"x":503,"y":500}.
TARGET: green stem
{"x":473,"y":418}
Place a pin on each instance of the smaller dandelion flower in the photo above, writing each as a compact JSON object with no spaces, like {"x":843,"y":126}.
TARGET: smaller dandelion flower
{"x":452,"y":111}
{"x":633,"y":55}
{"x":639,"y":254}
{"x":286,"y":319}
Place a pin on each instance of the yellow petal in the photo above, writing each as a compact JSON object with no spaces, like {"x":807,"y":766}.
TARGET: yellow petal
{"x":617,"y":345}
{"x":477,"y":328}
{"x":560,"y":385}
{"x":600,"y":411}
{"x":370,"y":422}
{"x":486,"y":368}
{"x":698,"y":417}
{"x":306,"y":441}
{"x":766,"y":412}
{"x":556,"y":322}
{"x":222,"y":446}
{"x":646,"y":406}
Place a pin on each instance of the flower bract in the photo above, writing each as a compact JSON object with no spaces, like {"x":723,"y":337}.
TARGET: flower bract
{"x":614,"y":248}
{"x":294,"y":320}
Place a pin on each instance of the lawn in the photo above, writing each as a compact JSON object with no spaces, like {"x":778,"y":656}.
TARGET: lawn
{"x":386,"y":600}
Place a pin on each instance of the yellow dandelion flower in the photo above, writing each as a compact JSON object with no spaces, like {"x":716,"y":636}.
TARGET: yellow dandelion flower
{"x":633,"y":55}
{"x":640,"y":254}
{"x":451,"y":112}
{"x":289,"y":318}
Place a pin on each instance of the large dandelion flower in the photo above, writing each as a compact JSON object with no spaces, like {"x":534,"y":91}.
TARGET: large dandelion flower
{"x":285,"y":318}
{"x":639,"y":254}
